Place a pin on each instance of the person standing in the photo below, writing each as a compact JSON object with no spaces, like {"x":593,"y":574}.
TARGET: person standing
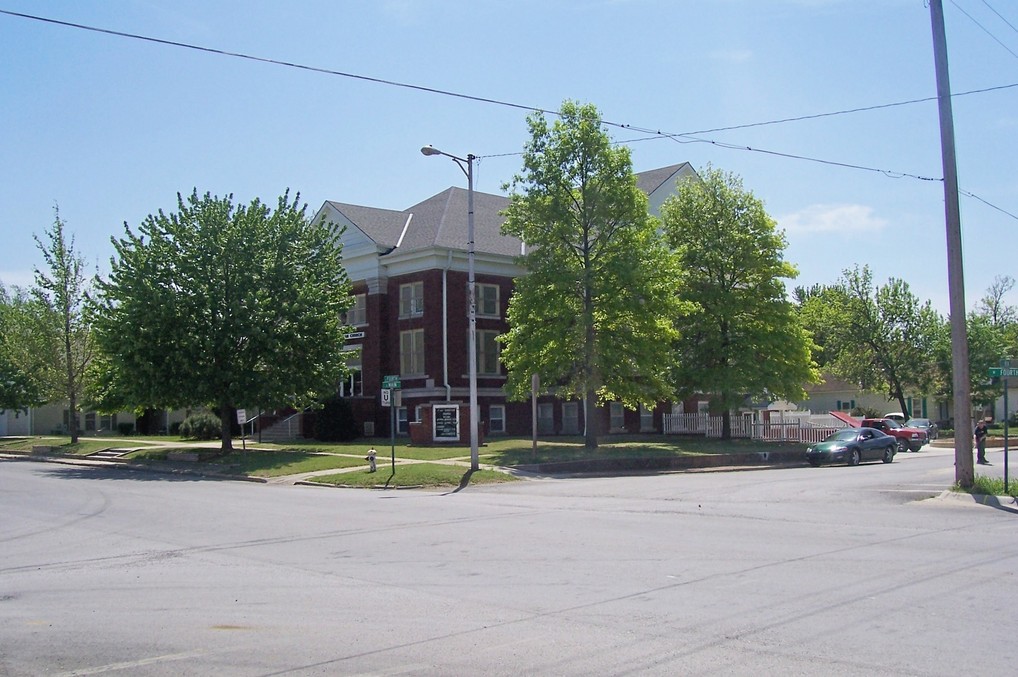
{"x":980,"y":432}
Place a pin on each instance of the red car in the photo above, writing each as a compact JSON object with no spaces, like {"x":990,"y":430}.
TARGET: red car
{"x":909,"y":439}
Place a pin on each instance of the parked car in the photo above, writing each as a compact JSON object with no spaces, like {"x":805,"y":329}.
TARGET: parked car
{"x":853,"y":445}
{"x":932,"y":431}
{"x":909,"y":439}
{"x":896,"y":416}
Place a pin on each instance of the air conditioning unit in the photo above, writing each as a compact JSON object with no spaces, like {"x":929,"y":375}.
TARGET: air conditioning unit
{"x":369,"y":428}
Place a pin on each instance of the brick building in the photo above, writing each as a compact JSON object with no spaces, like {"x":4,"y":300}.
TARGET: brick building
{"x":409,"y":275}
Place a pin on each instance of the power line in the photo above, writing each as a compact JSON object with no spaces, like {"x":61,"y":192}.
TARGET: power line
{"x":985,"y":29}
{"x":654,"y":134}
{"x":1001,"y":16}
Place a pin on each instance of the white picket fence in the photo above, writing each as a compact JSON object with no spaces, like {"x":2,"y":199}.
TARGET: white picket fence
{"x":790,"y":426}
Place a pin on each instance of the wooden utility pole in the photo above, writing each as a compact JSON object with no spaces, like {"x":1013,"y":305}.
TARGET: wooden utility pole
{"x":963,"y":469}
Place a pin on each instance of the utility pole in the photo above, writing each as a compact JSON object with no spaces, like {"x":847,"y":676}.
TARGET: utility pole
{"x":963,"y":469}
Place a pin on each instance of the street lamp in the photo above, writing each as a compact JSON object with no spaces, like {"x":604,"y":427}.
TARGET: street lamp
{"x":467,"y":167}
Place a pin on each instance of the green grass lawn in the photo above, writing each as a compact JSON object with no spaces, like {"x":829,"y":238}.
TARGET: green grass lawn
{"x":274,"y":460}
{"x":414,"y":475}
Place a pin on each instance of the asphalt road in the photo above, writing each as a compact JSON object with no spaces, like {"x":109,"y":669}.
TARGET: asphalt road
{"x":795,"y":571}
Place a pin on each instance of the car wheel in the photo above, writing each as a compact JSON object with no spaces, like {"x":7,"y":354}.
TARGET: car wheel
{"x":902,"y":446}
{"x":888,"y":454}
{"x":854,"y":457}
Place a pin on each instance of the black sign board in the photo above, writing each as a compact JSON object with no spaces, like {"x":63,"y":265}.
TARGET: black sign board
{"x":447,"y":422}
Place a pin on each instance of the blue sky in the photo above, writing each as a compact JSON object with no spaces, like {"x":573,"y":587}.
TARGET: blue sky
{"x":112,"y":128}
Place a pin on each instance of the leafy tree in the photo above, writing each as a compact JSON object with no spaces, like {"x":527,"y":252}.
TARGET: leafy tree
{"x":593,"y":316}
{"x":986,"y":343}
{"x":23,"y":369}
{"x":744,"y":337}
{"x":63,"y":290}
{"x":881,"y":338}
{"x":226,"y":307}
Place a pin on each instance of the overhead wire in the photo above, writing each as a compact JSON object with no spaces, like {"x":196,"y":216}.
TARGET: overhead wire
{"x":685,"y":137}
{"x":985,"y":29}
{"x":1001,"y":16}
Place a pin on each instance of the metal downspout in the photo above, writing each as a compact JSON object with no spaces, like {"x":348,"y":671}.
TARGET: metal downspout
{"x":445,"y":327}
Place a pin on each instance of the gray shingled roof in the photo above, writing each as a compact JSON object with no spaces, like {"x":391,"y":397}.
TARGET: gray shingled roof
{"x":651,"y":180}
{"x":441,"y":220}
{"x":381,"y":225}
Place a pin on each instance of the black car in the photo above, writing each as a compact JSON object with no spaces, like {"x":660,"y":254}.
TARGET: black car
{"x":853,"y":445}
{"x":932,"y":431}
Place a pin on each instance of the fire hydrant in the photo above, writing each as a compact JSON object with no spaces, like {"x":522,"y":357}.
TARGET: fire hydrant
{"x":370,"y":458}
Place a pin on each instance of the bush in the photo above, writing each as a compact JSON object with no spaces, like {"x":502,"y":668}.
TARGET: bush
{"x":334,"y":422}
{"x":202,"y":426}
{"x":125,"y":429}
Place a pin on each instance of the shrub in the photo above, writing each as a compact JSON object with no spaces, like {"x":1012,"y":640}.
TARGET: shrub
{"x":125,"y":429}
{"x":203,"y":426}
{"x":334,"y":422}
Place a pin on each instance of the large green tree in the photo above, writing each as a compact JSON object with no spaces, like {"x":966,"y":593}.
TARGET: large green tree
{"x":62,"y":288}
{"x":225,"y":306}
{"x":744,"y":337}
{"x":879,"y":337}
{"x":593,"y":316}
{"x":25,"y":333}
{"x":987,"y":343}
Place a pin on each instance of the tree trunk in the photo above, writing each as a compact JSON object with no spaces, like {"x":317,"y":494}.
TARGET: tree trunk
{"x":726,"y":424}
{"x":226,"y":419}
{"x":590,"y":419}
{"x":72,"y":394}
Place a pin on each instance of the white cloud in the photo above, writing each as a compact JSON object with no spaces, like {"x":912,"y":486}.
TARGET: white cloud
{"x":832,"y":218}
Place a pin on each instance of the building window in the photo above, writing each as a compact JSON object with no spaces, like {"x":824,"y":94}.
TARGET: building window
{"x":107,"y":422}
{"x":487,"y":352}
{"x":411,"y":352}
{"x":571,"y":418}
{"x":646,"y":419}
{"x":357,"y":315}
{"x":402,"y":427}
{"x":411,"y":299}
{"x":618,"y":415}
{"x":545,"y":418}
{"x":353,"y":384}
{"x":487,"y":300}
{"x":496,"y":418}
{"x":89,"y":421}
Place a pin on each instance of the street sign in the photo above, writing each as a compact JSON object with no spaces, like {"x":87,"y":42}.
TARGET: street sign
{"x":241,"y":417}
{"x":1004,"y":372}
{"x":391,"y":381}
{"x":386,"y":397}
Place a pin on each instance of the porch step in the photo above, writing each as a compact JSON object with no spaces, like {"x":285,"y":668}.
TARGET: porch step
{"x":107,"y":454}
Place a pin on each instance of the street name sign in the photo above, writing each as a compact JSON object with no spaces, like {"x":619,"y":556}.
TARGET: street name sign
{"x":1004,"y":372}
{"x":391,"y":381}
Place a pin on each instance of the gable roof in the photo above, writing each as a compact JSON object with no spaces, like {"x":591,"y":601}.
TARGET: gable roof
{"x":441,"y":220}
{"x":653,"y":179}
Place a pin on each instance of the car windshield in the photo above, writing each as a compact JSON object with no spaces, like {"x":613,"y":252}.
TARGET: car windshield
{"x":891,"y":423}
{"x":843,"y":434}
{"x":919,"y":422}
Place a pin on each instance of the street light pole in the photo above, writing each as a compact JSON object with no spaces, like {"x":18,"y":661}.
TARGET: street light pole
{"x":466,"y":165}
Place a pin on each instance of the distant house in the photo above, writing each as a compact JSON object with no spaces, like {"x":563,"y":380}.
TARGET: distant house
{"x":409,"y":275}
{"x":54,"y":419}
{"x":836,"y":395}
